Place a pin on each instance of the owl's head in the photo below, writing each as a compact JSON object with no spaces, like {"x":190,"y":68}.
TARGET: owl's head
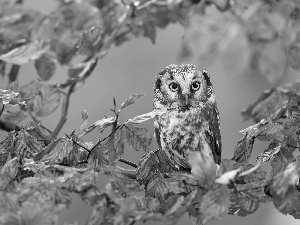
{"x":182,"y":87}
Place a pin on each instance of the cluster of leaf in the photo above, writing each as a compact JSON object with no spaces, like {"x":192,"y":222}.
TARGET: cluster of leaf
{"x":262,"y":35}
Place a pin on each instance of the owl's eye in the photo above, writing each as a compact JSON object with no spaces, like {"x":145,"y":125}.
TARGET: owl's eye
{"x":195,"y":86}
{"x":173,"y":86}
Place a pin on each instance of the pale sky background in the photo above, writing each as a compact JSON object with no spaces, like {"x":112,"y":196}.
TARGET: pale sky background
{"x":131,"y":69}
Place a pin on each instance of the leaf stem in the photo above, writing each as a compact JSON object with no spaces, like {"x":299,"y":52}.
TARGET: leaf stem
{"x":251,"y":170}
{"x":128,"y":162}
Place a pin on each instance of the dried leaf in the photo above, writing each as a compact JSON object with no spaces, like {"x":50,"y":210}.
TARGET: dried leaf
{"x":138,"y":138}
{"x":6,"y":146}
{"x":145,"y":117}
{"x":85,"y":116}
{"x":61,"y":151}
{"x":101,"y":124}
{"x":25,"y":53}
{"x":130,"y":100}
{"x":45,"y":66}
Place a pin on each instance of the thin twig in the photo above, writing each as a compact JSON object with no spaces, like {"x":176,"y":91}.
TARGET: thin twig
{"x":251,"y":170}
{"x":64,"y":113}
{"x":128,"y":162}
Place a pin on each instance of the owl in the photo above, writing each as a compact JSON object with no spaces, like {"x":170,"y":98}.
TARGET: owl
{"x":191,"y":121}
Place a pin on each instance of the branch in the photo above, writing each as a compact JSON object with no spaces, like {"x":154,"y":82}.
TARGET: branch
{"x":64,"y":113}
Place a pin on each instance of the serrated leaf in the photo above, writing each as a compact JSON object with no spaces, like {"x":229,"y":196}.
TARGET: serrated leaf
{"x":152,"y":165}
{"x":131,"y":100}
{"x":122,"y":181}
{"x":214,"y":204}
{"x":61,"y":151}
{"x":6,"y":146}
{"x":97,"y":158}
{"x":243,"y":150}
{"x":26,"y":145}
{"x":163,"y":187}
{"x":114,"y":146}
{"x":45,"y":66}
{"x":8,"y":172}
{"x":203,"y":168}
{"x":268,"y":154}
{"x":280,"y":161}
{"x":243,"y":206}
{"x":138,"y":138}
{"x":45,"y":100}
{"x":145,"y":117}
{"x":25,"y":53}
{"x":101,"y":124}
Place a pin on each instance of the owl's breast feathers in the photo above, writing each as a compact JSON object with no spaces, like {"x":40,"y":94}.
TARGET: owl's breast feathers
{"x":197,"y":129}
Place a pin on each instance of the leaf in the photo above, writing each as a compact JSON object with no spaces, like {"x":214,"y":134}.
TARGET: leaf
{"x":269,"y":153}
{"x":6,"y":146}
{"x":91,"y":42}
{"x":97,"y":158}
{"x":114,"y":146}
{"x":7,"y":96}
{"x":138,"y":138}
{"x":61,"y":151}
{"x":55,"y":173}
{"x":153,"y":165}
{"x":180,"y":207}
{"x":266,"y":105}
{"x":85,"y":185}
{"x":25,"y":53}
{"x":214,"y":204}
{"x":285,"y":179}
{"x":45,"y":66}
{"x":101,"y":124}
{"x":162,"y":187}
{"x":85,"y":116}
{"x":130,"y":100}
{"x":145,"y":117}
{"x":122,"y":181}
{"x":203,"y":168}
{"x":289,"y":204}
{"x":280,"y":161}
{"x":8,"y":172}
{"x":25,"y":145}
{"x":47,"y":99}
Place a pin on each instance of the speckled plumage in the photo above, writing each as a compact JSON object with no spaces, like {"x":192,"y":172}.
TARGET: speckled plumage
{"x":191,"y":122}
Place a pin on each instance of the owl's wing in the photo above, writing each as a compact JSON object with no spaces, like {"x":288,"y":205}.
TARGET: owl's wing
{"x":213,"y":134}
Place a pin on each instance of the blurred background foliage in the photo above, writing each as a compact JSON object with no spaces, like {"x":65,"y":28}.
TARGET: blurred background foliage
{"x":247,"y":46}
